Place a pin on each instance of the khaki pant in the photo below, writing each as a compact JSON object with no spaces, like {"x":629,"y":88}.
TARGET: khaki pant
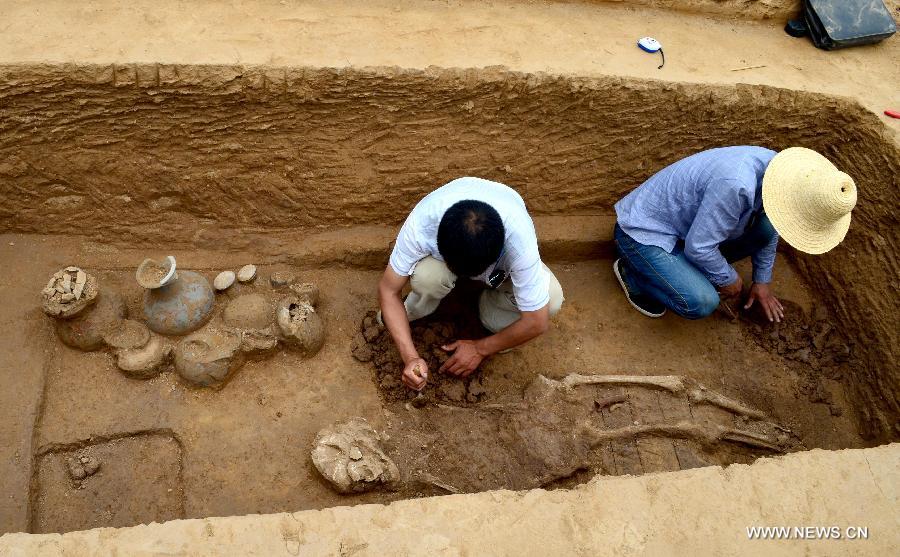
{"x":432,"y":280}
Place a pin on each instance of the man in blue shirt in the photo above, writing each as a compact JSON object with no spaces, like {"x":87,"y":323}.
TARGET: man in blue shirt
{"x":678,"y":233}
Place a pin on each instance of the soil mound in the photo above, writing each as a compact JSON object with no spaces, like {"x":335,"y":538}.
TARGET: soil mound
{"x":456,"y":319}
{"x":814,"y":346}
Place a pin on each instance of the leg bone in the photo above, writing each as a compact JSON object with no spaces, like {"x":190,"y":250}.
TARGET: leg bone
{"x":671,"y":383}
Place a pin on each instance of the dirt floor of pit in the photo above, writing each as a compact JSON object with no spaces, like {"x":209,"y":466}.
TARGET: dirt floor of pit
{"x":245,"y":449}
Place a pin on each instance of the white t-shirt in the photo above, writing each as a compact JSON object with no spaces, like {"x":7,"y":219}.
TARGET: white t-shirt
{"x":519,"y":259}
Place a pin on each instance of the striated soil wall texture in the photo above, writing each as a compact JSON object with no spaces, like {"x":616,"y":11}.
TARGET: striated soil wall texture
{"x":170,"y":155}
{"x":748,"y":9}
{"x":745,"y":9}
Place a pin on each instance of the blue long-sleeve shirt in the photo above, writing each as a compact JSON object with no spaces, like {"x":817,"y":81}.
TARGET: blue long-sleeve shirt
{"x":704,"y":199}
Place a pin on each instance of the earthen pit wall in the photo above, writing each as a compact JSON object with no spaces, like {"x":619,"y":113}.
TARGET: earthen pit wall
{"x":155,"y":154}
{"x":781,"y":10}
{"x":746,"y":9}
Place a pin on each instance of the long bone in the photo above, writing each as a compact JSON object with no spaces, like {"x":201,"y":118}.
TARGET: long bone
{"x":682,"y":430}
{"x":672,"y":383}
{"x":697,"y":394}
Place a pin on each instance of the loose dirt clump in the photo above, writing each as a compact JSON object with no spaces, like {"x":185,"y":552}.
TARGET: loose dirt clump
{"x":374,"y":344}
{"x":813,"y":346}
{"x":81,"y":467}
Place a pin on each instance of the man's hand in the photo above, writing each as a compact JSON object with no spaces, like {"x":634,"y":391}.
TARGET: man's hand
{"x":732,"y":290}
{"x":770,"y":304}
{"x":465,"y":359}
{"x":415,"y":374}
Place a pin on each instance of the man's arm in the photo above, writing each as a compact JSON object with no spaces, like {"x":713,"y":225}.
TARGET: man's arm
{"x":468,"y":354}
{"x":393,"y":313}
{"x":764,"y":261}
{"x":719,"y":213}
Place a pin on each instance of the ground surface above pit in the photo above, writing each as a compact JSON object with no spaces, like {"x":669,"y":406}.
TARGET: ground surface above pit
{"x":662,"y":514}
{"x":577,"y":38}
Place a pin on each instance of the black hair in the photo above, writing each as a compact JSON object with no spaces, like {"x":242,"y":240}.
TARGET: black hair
{"x":470,"y":237}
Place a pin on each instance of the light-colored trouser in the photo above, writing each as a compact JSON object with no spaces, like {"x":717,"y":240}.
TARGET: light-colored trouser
{"x":432,"y":280}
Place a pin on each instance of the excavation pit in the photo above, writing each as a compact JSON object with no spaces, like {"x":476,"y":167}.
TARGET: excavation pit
{"x":309,"y":172}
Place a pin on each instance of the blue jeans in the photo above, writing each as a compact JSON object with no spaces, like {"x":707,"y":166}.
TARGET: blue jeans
{"x":673,"y":280}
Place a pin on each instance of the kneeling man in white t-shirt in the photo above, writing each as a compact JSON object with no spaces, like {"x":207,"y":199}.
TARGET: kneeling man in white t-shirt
{"x":477,"y":229}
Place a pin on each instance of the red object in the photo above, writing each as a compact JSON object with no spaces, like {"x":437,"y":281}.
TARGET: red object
{"x":892,"y":113}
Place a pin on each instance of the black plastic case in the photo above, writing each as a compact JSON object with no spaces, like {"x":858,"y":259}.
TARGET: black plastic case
{"x":837,"y":24}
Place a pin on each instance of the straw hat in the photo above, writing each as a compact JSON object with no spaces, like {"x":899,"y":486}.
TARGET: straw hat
{"x":808,"y":200}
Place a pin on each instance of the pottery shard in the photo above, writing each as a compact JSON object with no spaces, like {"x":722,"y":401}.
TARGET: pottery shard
{"x":307,"y":292}
{"x":257,"y":344}
{"x":282,"y":278}
{"x":349,"y":455}
{"x":80,"y":280}
{"x":246,"y":273}
{"x":209,"y":357}
{"x":64,"y":297}
{"x":88,"y":329}
{"x":147,"y":361}
{"x":224,"y":280}
{"x":300,"y":326}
